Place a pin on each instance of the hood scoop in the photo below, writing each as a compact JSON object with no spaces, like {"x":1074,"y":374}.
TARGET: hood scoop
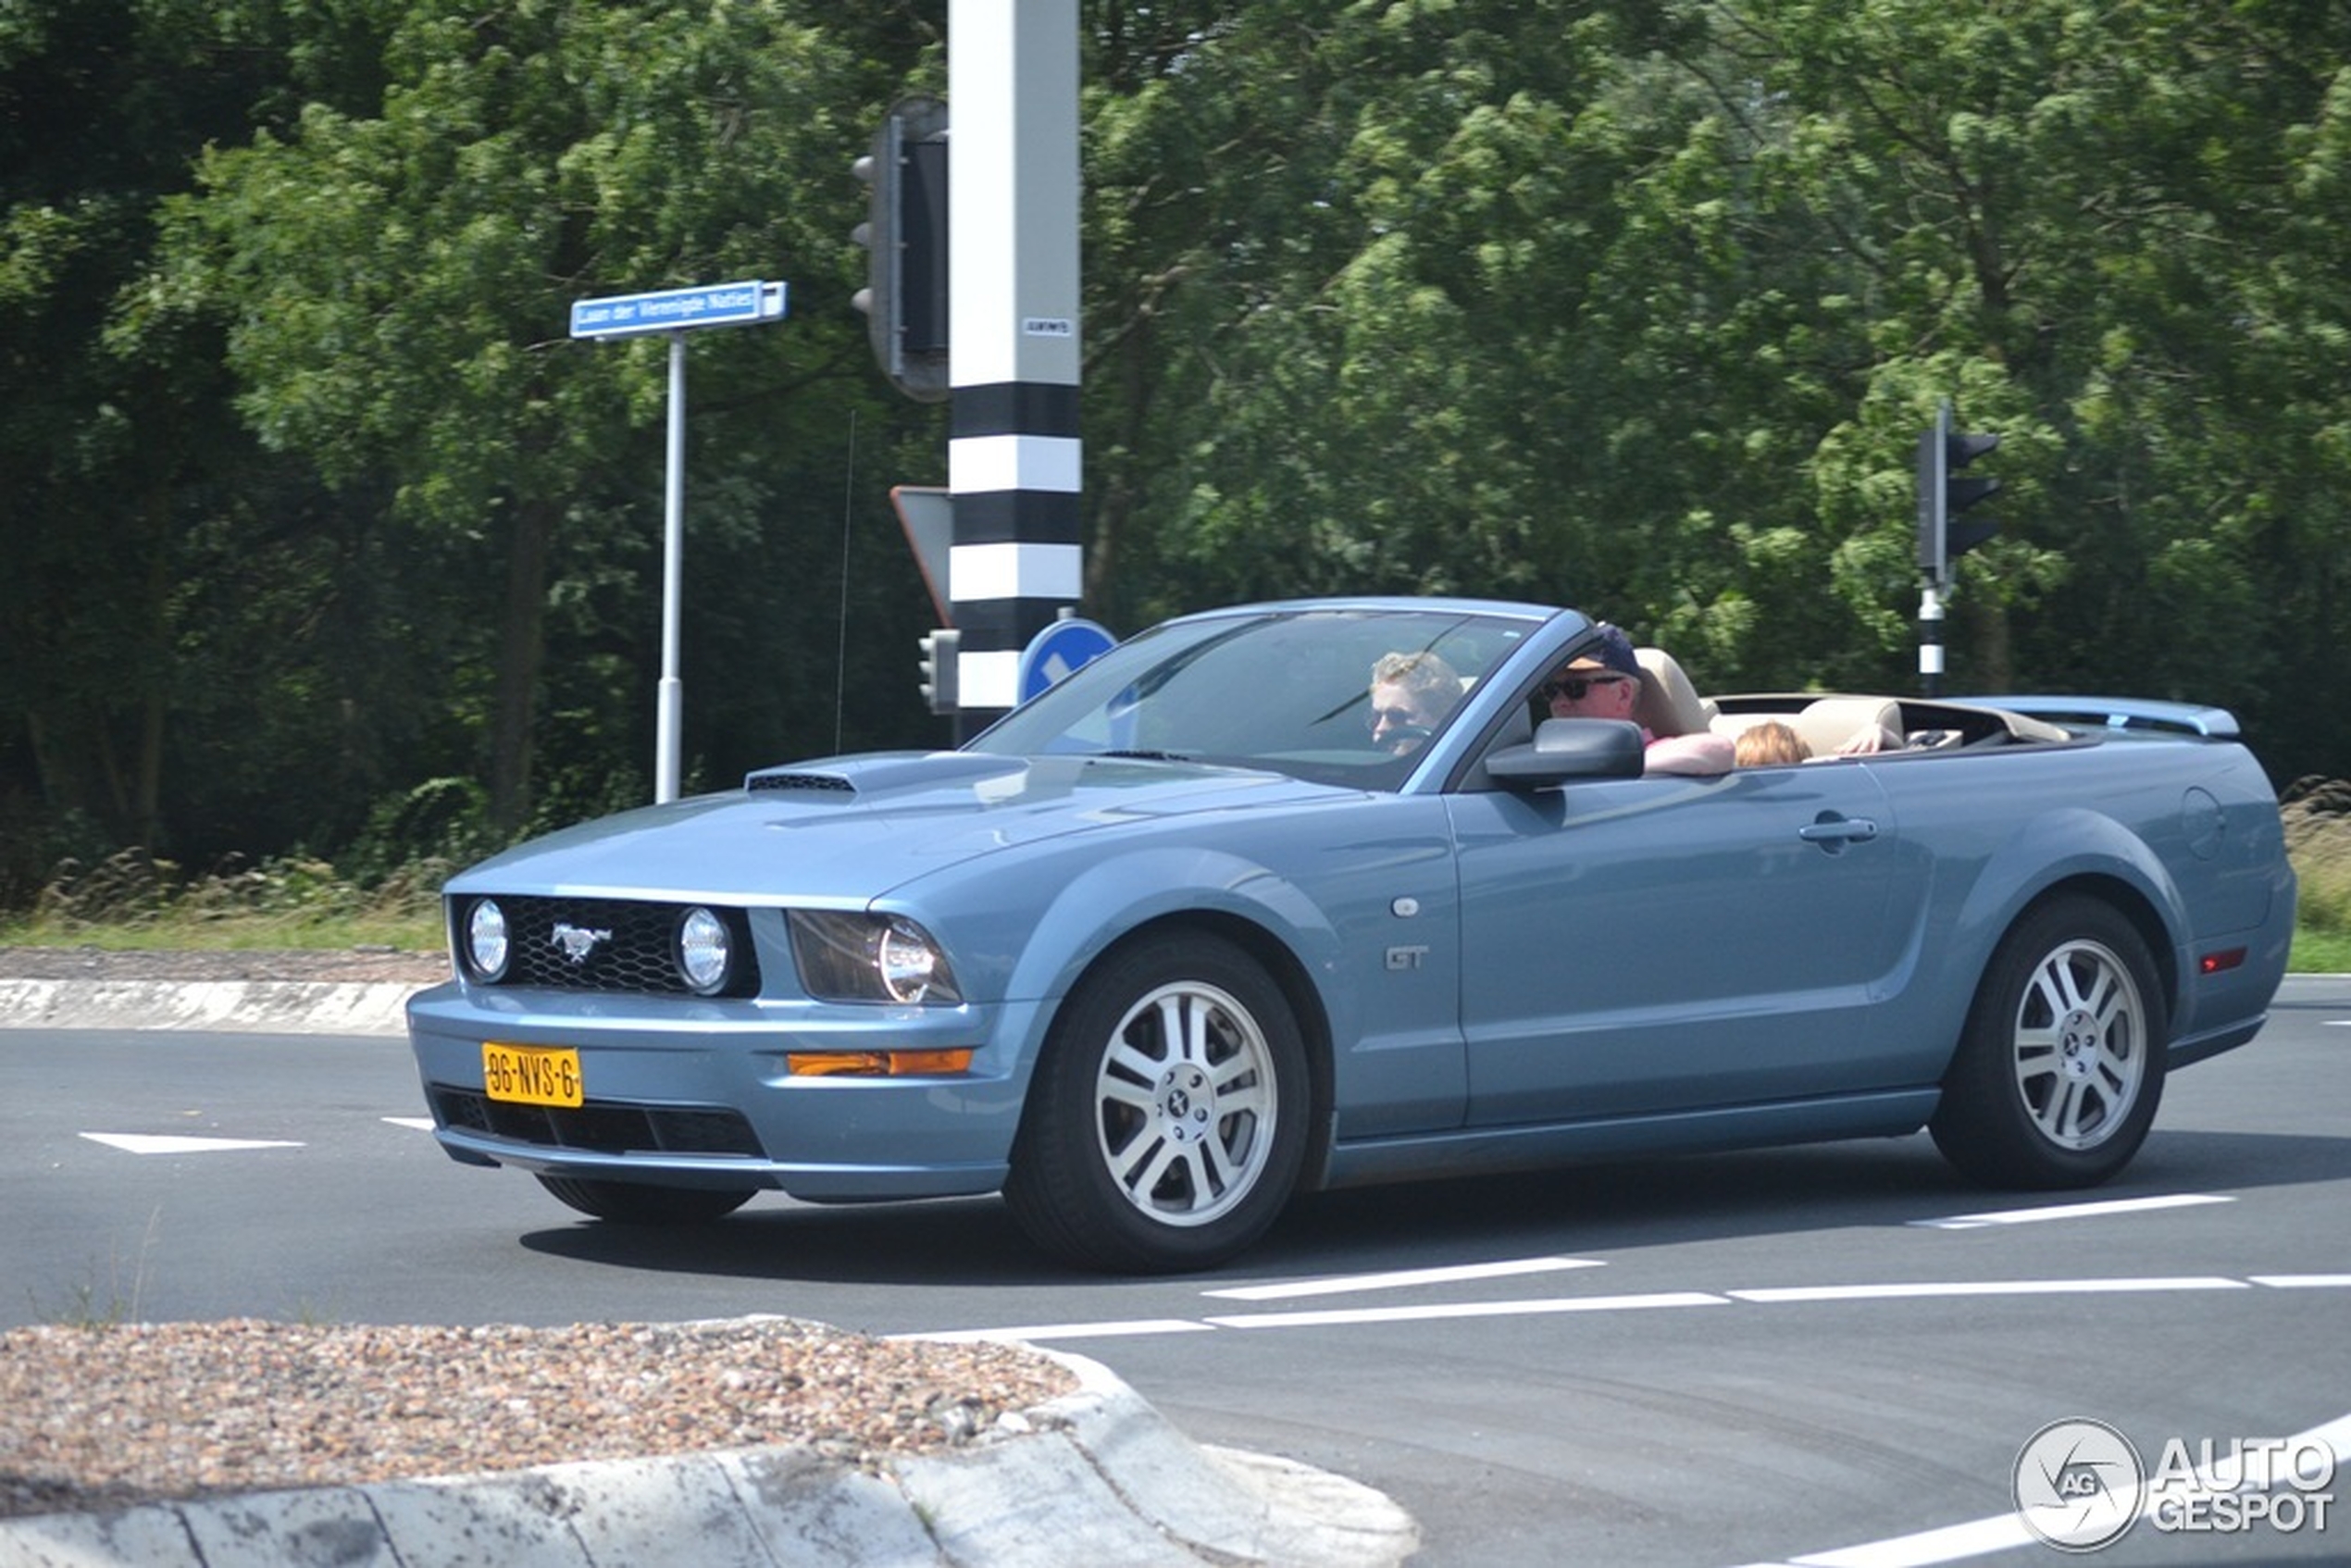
{"x":879,"y":773}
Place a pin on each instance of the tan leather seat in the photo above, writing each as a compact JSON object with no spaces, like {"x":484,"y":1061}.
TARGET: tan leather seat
{"x":1669,"y":705}
{"x":1828,"y":723}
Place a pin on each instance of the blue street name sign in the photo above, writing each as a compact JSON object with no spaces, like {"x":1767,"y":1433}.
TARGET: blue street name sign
{"x":672,"y":310}
{"x":1066,"y":645}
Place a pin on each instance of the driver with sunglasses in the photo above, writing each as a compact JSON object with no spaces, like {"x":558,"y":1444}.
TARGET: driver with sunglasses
{"x":1604,"y":682}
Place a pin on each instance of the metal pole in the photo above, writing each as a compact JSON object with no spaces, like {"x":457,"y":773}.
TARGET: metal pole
{"x":672,"y":692}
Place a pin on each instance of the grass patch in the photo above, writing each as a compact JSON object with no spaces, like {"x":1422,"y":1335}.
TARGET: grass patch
{"x":134,"y":901}
{"x":2317,"y":812}
{"x":2321,"y":953}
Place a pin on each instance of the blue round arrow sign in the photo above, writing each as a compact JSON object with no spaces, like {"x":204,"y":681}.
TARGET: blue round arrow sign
{"x":1065,"y":646}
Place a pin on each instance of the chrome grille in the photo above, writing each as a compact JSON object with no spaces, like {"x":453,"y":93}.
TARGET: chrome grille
{"x":604,"y":945}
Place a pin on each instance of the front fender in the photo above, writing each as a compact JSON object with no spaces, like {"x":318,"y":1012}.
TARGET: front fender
{"x":1111,"y":898}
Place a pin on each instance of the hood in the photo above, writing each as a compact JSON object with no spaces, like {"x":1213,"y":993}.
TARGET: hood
{"x":847,"y":829}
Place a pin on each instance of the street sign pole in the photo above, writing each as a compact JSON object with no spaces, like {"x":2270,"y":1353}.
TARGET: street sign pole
{"x":670,"y":697}
{"x":675,"y":311}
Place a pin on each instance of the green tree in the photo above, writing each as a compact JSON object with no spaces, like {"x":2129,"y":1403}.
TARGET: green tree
{"x":397,"y":276}
{"x":113,"y":429}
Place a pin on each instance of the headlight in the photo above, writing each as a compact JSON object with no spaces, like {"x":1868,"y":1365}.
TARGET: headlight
{"x":706,"y":952}
{"x":486,"y":944}
{"x":857,"y":957}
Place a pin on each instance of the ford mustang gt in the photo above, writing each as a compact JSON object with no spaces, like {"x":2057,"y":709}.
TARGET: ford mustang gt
{"x":1292,"y":896}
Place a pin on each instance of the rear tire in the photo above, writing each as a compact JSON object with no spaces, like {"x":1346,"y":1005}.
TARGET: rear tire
{"x":2058,"y":1076}
{"x":1168,"y":1123}
{"x":636,"y":1202}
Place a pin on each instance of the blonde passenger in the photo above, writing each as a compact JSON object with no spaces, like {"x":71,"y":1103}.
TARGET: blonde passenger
{"x":1762,"y":745}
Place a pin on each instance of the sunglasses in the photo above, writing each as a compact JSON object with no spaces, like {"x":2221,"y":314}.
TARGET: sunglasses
{"x":1574,"y":687}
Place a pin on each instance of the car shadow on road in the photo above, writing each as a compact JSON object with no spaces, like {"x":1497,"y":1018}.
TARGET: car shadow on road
{"x":1618,"y":1206}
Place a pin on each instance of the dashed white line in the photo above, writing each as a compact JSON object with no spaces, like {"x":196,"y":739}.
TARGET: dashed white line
{"x":1982,"y":1288}
{"x":1070,"y":1330}
{"x":1394,"y":1279}
{"x":1533,"y":1308}
{"x":2073,"y":1210}
{"x":1540,"y":1306}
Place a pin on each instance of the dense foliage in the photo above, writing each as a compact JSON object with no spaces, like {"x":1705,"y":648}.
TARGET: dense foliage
{"x":321,"y":535}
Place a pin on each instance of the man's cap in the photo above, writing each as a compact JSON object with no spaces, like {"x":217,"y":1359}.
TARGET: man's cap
{"x":1614,"y":650}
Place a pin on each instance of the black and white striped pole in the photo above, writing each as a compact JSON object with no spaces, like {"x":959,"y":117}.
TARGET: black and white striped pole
{"x":1014,"y":456}
{"x":1931,"y":639}
{"x":1943,"y":495}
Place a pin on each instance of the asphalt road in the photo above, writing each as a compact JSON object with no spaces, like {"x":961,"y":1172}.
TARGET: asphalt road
{"x":1809,"y":1354}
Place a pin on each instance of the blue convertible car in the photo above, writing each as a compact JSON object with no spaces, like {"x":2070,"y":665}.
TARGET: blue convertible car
{"x":1210,"y":923}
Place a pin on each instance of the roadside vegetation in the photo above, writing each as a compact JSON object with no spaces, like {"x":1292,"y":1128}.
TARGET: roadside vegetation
{"x":2318,"y":839}
{"x":133,"y":900}
{"x":1640,"y":307}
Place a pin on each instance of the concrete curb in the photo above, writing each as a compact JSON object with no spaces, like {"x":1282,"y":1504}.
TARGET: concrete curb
{"x":1095,"y":1477}
{"x":238,"y":1006}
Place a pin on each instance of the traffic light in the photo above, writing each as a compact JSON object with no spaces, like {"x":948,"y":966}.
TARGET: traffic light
{"x":1943,"y":495}
{"x":938,"y":670}
{"x":904,"y":233}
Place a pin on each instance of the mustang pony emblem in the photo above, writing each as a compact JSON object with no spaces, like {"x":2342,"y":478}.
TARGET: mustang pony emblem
{"x":578,"y":941}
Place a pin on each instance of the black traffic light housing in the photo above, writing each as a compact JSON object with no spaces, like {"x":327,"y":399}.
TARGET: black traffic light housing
{"x":1943,"y":494}
{"x":904,"y":233}
{"x":940,"y":689}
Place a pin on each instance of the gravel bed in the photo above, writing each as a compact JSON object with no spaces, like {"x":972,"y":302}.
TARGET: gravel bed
{"x":108,"y":1415}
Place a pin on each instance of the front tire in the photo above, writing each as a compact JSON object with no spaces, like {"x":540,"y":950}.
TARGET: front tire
{"x":636,"y":1202}
{"x":2056,"y":1078}
{"x":1168,"y":1120}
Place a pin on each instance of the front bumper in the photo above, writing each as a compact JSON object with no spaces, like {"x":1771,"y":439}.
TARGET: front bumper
{"x":694,"y":1092}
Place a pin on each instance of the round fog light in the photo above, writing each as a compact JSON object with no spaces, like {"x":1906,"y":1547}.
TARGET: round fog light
{"x":486,"y":944}
{"x":705,"y":950}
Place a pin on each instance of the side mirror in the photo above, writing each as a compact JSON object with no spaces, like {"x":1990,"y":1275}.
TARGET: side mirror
{"x":1569,"y":747}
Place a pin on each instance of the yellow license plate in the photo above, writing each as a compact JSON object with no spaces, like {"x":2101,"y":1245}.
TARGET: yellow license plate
{"x":530,"y":1074}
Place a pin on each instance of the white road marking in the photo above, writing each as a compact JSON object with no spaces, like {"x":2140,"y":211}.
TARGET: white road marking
{"x":1538,"y":1306}
{"x":2073,"y":1210}
{"x":1954,"y":1542}
{"x":1471,"y":1309}
{"x":1982,"y":1288}
{"x":1069,"y":1330}
{"x":1948,"y":1544}
{"x":1395,"y":1280}
{"x":144,"y":1143}
{"x":420,"y":1123}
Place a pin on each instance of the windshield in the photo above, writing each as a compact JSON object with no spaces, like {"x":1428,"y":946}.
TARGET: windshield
{"x":1342,"y":696}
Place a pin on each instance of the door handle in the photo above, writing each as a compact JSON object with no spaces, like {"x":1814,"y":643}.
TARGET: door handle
{"x":1833,"y":832}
